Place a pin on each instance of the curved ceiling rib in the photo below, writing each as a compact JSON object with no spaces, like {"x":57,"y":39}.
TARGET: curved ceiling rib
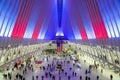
{"x":76,"y":19}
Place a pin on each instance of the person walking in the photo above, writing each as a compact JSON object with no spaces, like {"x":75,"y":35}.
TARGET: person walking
{"x":97,"y":77}
{"x":65,"y":73}
{"x":80,"y":77}
{"x":86,"y":78}
{"x":68,"y":77}
{"x":50,"y":74}
{"x":111,"y":77}
{"x":32,"y":77}
{"x":36,"y":77}
{"x":86,"y":71}
{"x":24,"y":78}
{"x":42,"y":77}
{"x":75,"y":74}
{"x":53,"y":78}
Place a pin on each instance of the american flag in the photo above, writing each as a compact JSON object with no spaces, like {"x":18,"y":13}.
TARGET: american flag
{"x":59,"y":45}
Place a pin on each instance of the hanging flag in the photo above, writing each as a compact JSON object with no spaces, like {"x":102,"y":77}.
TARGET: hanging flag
{"x":59,"y":45}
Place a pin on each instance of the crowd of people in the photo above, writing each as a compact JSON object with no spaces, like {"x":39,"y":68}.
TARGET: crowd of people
{"x":19,"y":71}
{"x":55,"y":69}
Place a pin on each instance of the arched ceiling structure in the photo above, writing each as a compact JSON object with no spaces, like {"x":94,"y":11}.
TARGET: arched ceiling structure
{"x":75,"y":19}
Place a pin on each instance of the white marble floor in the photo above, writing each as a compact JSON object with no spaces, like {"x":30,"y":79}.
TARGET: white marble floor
{"x":66,"y":66}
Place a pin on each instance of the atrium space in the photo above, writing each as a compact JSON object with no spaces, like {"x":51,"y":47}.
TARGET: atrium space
{"x":59,"y":39}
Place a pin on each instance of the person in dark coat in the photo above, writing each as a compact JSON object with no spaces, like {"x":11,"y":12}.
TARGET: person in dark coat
{"x":17,"y":76}
{"x":75,"y":74}
{"x":42,"y":77}
{"x":86,"y":71}
{"x":32,"y":77}
{"x":86,"y":78}
{"x":50,"y":75}
{"x":24,"y":78}
{"x":97,"y":77}
{"x":53,"y":78}
{"x":70,"y":68}
{"x":9,"y":76}
{"x":68,"y":77}
{"x":36,"y":77}
{"x":80,"y":77}
{"x":65,"y":73}
{"x":111,"y":77}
